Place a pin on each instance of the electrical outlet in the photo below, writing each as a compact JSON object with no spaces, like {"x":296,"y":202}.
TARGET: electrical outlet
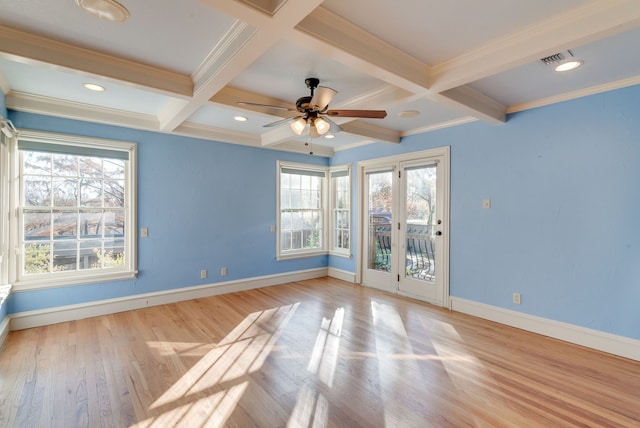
{"x":486,"y":204}
{"x":203,"y":274}
{"x":223,"y":271}
{"x":517,"y":298}
{"x":144,"y":232}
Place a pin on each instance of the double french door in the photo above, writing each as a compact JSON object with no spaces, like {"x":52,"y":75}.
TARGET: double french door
{"x":405,"y":231}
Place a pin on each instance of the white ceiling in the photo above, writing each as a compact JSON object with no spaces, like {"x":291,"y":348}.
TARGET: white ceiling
{"x":182,"y":66}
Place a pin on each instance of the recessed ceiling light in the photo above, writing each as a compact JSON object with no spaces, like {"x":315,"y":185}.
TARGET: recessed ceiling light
{"x":329,"y":136}
{"x":408,"y":113}
{"x":240,"y":118}
{"x":107,"y":10}
{"x":567,"y":65}
{"x":94,"y":87}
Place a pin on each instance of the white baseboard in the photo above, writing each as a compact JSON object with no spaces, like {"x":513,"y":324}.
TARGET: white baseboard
{"x":29,"y":319}
{"x":342,"y":274}
{"x":4,"y":330}
{"x":605,"y":342}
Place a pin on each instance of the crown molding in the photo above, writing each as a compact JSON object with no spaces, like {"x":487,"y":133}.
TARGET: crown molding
{"x":610,"y":86}
{"x":78,"y":111}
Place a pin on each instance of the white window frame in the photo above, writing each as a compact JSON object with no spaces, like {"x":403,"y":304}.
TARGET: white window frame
{"x":59,"y":279}
{"x":335,"y":172}
{"x":5,"y":144}
{"x":298,"y":253}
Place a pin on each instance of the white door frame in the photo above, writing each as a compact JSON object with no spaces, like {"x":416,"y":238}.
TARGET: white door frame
{"x":443,"y":174}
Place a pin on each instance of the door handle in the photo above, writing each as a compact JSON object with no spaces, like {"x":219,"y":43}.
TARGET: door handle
{"x":438,"y":233}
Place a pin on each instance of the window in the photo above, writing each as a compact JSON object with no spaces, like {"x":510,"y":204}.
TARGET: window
{"x":308,"y":225}
{"x":76,"y":210}
{"x":341,"y":210}
{"x":301,"y":210}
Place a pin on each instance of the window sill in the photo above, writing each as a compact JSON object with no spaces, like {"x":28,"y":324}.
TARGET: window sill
{"x":344,"y":255}
{"x":300,"y":255}
{"x":49,"y":282}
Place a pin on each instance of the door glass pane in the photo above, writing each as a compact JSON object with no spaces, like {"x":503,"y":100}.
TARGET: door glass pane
{"x":380,"y":211}
{"x":420,"y":213}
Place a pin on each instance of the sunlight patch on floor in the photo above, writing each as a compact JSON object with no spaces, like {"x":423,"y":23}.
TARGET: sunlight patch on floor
{"x":206,"y":384}
{"x":311,"y":410}
{"x":327,"y":347}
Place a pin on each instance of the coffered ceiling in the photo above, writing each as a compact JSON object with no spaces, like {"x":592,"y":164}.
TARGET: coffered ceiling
{"x":183,"y":66}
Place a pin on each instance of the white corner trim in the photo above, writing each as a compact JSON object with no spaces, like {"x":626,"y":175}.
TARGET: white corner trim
{"x":29,"y":319}
{"x":342,"y":274}
{"x":594,"y":339}
{"x":4,"y":330}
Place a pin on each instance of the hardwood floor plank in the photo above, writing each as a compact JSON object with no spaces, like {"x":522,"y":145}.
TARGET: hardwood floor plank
{"x":319,"y":353}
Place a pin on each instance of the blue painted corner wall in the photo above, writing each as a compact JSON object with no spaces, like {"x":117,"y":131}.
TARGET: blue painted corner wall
{"x":563,"y":228}
{"x":206,"y":205}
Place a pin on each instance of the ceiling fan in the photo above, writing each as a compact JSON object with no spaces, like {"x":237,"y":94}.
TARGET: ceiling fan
{"x":315,"y":111}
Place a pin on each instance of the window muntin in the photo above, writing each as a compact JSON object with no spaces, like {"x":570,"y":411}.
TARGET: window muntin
{"x":76,"y":210}
{"x":341,"y":210}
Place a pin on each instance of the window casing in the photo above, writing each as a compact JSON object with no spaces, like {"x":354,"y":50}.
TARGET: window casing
{"x":75,"y":209}
{"x":340,"y":206}
{"x":301,"y":205}
{"x":313,"y":210}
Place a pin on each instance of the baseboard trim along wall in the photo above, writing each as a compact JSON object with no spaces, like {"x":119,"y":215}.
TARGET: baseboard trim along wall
{"x":29,"y":319}
{"x":594,"y":339}
{"x":342,"y":274}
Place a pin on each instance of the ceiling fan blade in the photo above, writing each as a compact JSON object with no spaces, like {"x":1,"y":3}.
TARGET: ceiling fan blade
{"x":281,"y":121}
{"x":372,"y":114}
{"x":322,"y":97}
{"x":334,"y":128}
{"x":245,"y":103}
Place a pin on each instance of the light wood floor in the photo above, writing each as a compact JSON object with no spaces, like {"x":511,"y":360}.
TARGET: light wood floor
{"x":315,"y":353}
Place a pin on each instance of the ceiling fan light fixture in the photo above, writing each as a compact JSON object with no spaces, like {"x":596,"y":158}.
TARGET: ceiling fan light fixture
{"x":107,"y":10}
{"x":321,"y":125}
{"x":298,"y":125}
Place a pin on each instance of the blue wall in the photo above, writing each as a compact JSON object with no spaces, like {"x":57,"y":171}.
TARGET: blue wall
{"x":206,"y":204}
{"x":563,"y":228}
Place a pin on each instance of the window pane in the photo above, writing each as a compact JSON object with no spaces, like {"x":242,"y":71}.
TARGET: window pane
{"x":65,"y":225}
{"x":90,"y":193}
{"x":90,"y":224}
{"x":114,"y":193}
{"x":65,"y":165}
{"x":90,"y":167}
{"x":37,"y":257}
{"x":65,"y":192}
{"x":113,"y":168}
{"x":36,"y":163}
{"x":90,"y":251}
{"x":65,"y":255}
{"x":114,"y":223}
{"x":37,"y":225}
{"x":37,"y":191}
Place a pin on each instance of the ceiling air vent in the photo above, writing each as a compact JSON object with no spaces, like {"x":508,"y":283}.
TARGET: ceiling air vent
{"x":552,"y":59}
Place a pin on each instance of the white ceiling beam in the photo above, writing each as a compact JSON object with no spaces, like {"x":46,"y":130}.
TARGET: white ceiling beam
{"x":58,"y":55}
{"x":332,"y":36}
{"x":372,"y":132}
{"x":243,"y":45}
{"x":339,"y":39}
{"x":576,"y":27}
{"x":473,"y":103}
